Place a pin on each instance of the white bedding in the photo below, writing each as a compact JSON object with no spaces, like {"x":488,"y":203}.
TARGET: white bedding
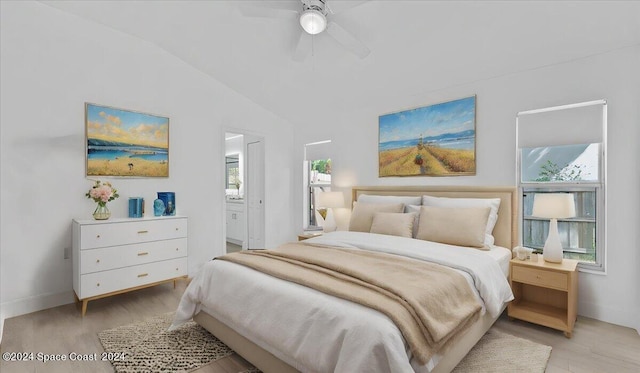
{"x":312,"y":331}
{"x":501,"y":255}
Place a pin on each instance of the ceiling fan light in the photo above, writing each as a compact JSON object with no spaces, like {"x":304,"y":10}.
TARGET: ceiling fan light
{"x":313,"y":21}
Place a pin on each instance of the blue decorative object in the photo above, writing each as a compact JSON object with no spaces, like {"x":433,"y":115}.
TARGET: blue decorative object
{"x":136,"y":207}
{"x":158,"y":207}
{"x":169,"y":199}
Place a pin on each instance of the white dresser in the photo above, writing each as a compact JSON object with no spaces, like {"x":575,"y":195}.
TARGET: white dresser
{"x":119,"y":255}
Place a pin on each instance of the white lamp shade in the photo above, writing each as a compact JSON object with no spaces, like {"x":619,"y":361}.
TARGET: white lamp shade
{"x":330,"y":199}
{"x":554,"y":205}
{"x":313,"y":22}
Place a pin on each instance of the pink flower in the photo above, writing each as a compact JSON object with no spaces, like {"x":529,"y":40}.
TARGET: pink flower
{"x":102,"y":192}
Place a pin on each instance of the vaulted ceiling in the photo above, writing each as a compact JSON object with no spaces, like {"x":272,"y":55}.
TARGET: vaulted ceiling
{"x":416,"y":46}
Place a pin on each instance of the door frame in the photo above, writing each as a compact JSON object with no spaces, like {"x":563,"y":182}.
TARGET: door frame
{"x":221,"y":156}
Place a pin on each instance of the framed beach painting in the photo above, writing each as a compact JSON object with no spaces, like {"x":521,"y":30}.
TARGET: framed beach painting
{"x":125,"y":143}
{"x":435,"y":140}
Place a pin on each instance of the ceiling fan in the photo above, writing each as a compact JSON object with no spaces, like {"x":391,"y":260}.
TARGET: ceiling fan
{"x":315,"y":18}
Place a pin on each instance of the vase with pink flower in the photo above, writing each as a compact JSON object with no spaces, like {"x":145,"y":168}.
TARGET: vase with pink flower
{"x":102,"y":193}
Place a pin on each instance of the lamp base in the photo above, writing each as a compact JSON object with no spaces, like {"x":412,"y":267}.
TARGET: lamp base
{"x":552,"y":251}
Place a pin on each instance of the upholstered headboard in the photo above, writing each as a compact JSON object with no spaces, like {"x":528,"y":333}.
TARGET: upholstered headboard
{"x":506,"y":229}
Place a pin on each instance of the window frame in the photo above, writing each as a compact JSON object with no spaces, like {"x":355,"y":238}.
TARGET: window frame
{"x":599,"y":186}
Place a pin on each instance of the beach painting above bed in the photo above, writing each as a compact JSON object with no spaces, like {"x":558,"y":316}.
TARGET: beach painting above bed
{"x":435,"y":140}
{"x":125,"y":143}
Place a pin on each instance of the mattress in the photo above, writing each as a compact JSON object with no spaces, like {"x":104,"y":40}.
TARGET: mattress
{"x":312,"y":331}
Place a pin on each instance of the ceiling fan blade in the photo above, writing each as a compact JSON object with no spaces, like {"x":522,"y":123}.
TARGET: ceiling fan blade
{"x":336,"y":7}
{"x":267,"y":12}
{"x":348,"y":40}
{"x":303,"y":47}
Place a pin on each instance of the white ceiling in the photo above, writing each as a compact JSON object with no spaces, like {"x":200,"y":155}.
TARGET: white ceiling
{"x":416,"y":46}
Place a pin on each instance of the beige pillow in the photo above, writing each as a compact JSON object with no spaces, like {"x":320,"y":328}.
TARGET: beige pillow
{"x":454,"y":226}
{"x":393,"y":223}
{"x":415,"y":209}
{"x":362,"y":214}
{"x":493,"y":203}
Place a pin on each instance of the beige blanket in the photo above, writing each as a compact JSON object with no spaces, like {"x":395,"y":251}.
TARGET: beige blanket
{"x":430,"y":304}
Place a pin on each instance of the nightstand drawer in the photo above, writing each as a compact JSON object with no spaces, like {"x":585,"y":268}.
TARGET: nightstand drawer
{"x":550,"y":279}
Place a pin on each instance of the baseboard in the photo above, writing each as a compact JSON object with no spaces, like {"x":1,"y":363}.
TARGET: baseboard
{"x":36,"y":303}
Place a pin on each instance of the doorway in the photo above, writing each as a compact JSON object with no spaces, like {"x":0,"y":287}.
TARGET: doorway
{"x":244,"y":192}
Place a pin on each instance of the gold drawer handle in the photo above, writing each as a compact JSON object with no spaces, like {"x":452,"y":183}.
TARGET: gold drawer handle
{"x":141,"y":232}
{"x":144,"y":253}
{"x":98,"y":284}
{"x":98,"y":261}
{"x":143,"y":275}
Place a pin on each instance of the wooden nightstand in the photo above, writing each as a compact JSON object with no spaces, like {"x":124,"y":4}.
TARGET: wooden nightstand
{"x":545,"y":293}
{"x":307,"y":235}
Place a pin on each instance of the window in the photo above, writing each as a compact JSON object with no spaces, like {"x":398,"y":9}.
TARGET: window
{"x":317,"y":174}
{"x":319,"y":181}
{"x":562,"y":150}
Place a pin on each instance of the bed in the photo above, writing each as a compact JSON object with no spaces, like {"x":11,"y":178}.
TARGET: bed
{"x":281,"y":326}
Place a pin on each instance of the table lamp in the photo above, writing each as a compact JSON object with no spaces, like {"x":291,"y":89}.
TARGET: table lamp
{"x":325,"y":201}
{"x":553,"y":206}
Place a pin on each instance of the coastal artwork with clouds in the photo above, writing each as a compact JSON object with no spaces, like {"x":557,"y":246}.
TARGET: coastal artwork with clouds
{"x":126,"y":143}
{"x":435,"y":140}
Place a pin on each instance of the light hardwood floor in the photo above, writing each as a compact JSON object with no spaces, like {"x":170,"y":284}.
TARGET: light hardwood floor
{"x":233,"y":248}
{"x":595,"y":347}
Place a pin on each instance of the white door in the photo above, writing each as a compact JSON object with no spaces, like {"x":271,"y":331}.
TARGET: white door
{"x":255,"y":194}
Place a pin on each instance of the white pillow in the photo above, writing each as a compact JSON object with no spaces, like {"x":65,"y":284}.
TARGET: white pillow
{"x":406,"y":200}
{"x":362,"y":214}
{"x":462,"y":226}
{"x":393,"y":223}
{"x":492,"y":203}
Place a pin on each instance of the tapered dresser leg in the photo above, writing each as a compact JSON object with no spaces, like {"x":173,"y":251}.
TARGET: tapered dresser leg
{"x":84,"y":306}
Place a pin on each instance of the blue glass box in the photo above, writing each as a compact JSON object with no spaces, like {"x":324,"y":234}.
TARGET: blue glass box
{"x":136,"y":207}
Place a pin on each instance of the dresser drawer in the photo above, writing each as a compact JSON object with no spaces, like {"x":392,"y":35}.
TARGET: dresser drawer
{"x":122,"y":233}
{"x":107,"y":258}
{"x":99,"y":283}
{"x":550,"y":279}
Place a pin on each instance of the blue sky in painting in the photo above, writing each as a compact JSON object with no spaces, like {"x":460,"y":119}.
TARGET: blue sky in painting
{"x":129,"y":127}
{"x":128,"y":119}
{"x":447,"y":117}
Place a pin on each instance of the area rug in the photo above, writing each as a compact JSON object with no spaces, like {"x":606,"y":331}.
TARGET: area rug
{"x":149,"y":347}
{"x":501,"y":352}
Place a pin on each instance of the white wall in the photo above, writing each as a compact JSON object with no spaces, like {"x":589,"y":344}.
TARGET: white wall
{"x":51,"y":64}
{"x":613,"y":76}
